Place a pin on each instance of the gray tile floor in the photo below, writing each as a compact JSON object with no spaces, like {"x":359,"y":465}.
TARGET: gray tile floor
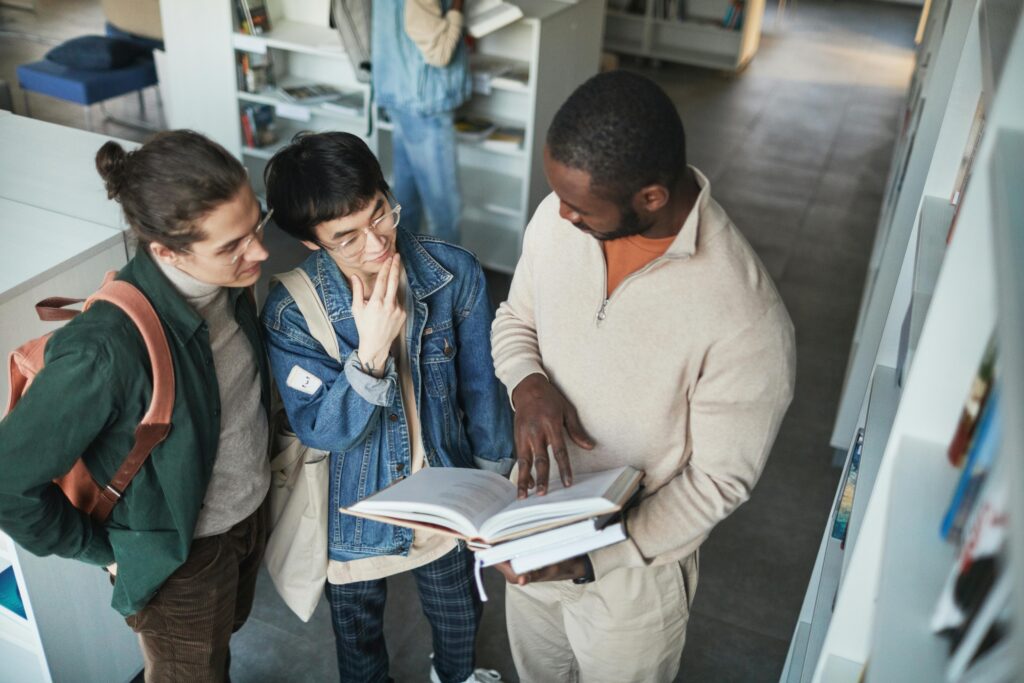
{"x":797,"y":148}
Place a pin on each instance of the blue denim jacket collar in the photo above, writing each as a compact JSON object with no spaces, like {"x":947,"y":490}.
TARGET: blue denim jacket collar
{"x":425,"y":275}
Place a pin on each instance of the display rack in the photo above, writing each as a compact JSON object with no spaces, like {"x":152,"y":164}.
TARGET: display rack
{"x":556,"y":44}
{"x":945,"y":300}
{"x":693,"y":32}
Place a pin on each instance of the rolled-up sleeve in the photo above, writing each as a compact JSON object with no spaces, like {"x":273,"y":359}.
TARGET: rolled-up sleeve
{"x":437,"y":34}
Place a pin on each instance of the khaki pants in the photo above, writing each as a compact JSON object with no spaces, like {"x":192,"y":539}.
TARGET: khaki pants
{"x":186,"y":628}
{"x":628,"y":626}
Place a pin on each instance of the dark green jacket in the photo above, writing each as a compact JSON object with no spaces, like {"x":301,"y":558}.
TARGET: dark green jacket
{"x":87,"y":401}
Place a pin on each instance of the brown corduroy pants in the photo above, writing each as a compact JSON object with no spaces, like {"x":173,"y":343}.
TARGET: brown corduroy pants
{"x":186,"y":628}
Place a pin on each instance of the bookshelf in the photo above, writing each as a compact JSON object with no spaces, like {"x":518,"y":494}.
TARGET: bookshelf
{"x":946,"y":298}
{"x":62,"y":235}
{"x":687,"y":32}
{"x":501,"y":186}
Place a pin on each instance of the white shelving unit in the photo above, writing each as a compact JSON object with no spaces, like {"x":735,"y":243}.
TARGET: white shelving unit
{"x":951,"y":297}
{"x":697,"y":38}
{"x":61,"y":234}
{"x":559,"y":44}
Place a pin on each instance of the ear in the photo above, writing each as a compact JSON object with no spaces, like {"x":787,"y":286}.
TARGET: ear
{"x":163,"y":253}
{"x":312,"y":246}
{"x":651,"y":198}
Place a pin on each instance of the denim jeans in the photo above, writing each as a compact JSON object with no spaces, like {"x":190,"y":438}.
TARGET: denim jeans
{"x":426,"y":173}
{"x":449,"y":601}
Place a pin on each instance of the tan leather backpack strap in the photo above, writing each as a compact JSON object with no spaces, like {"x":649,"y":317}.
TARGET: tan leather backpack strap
{"x":156,"y":423}
{"x":55,"y":308}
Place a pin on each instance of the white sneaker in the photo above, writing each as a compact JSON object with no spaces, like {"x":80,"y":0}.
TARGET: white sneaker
{"x":478,"y":676}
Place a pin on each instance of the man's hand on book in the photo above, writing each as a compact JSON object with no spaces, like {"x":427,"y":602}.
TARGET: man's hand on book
{"x":573,"y":568}
{"x":541,"y":414}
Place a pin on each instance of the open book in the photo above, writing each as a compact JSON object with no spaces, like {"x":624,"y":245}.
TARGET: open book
{"x":481,"y":506}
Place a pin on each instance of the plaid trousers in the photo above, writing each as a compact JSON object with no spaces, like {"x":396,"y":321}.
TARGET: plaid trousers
{"x":449,"y":602}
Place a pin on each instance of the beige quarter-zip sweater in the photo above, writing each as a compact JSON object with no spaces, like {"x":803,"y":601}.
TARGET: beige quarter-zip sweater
{"x":685,"y":371}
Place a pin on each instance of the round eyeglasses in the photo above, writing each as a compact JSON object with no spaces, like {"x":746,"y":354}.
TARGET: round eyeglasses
{"x":354,"y":243}
{"x":231,"y":256}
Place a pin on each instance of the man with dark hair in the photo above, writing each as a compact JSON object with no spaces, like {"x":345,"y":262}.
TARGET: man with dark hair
{"x":642,"y":324}
{"x":415,"y":388}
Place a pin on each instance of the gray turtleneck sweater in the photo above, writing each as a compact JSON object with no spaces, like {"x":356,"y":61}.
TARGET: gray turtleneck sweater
{"x":241,"y":471}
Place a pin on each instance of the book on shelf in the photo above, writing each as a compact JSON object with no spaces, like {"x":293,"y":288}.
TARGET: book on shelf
{"x":963,"y":174}
{"x":310,"y":93}
{"x":258,"y":125}
{"x":473,"y":128}
{"x":10,"y":595}
{"x":253,"y":17}
{"x":504,"y":139}
{"x":733,"y":18}
{"x":486,"y":16}
{"x":481,"y":507}
{"x":982,"y":453}
{"x":976,"y":396}
{"x":255,"y":71}
{"x":845,"y":507}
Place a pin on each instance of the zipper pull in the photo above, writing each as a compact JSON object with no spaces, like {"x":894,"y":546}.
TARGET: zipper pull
{"x":601,"y":313}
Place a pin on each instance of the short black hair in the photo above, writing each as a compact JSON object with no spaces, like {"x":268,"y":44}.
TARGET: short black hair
{"x":624,"y":131}
{"x":320,"y":177}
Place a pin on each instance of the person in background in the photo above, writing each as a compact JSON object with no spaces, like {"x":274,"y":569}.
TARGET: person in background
{"x":184,"y":543}
{"x":420,"y":76}
{"x":640,"y":329}
{"x":416,"y":388}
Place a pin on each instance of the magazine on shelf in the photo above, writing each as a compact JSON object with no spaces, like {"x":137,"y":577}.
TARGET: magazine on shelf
{"x":310,"y":93}
{"x":481,"y":507}
{"x":473,"y":128}
{"x":981,"y":456}
{"x":842,"y":517}
{"x":486,"y":16}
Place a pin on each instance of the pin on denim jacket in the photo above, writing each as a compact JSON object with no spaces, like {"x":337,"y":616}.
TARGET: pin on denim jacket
{"x":465,"y":417}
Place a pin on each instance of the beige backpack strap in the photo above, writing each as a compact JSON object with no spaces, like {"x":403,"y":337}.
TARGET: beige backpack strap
{"x":303,"y":291}
{"x":156,"y":423}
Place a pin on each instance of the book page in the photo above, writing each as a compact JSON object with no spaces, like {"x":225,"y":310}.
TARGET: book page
{"x":465,"y":497}
{"x":590,"y":495}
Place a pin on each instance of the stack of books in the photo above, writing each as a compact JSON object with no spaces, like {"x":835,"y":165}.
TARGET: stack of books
{"x":253,"y":17}
{"x":481,"y":508}
{"x":254,"y":71}
{"x":258,"y":125}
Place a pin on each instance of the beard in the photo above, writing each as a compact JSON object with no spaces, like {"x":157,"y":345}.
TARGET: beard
{"x":630,"y":224}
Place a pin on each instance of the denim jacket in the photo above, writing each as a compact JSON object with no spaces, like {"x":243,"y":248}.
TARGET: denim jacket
{"x":402,"y":79}
{"x":465,"y":417}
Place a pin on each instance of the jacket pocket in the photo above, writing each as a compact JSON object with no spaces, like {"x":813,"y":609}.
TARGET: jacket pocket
{"x":438,"y":359}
